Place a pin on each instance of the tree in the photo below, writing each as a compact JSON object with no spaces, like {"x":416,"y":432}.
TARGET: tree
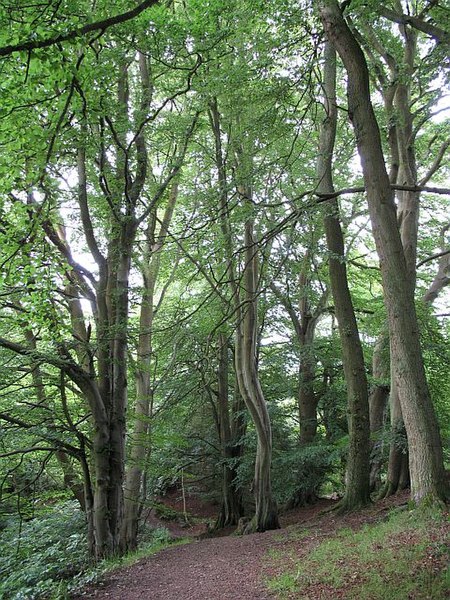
{"x":244,"y":297}
{"x":426,"y":463}
{"x":357,"y":475}
{"x":114,"y":201}
{"x":139,"y":442}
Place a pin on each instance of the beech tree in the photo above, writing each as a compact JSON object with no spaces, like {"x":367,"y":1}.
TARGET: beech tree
{"x":425,"y":448}
{"x":114,"y":202}
{"x":357,"y":475}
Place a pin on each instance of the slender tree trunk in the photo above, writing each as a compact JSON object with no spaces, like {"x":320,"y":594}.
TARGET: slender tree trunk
{"x":139,"y":438}
{"x":238,"y":430}
{"x":71,"y":480}
{"x":307,"y":399}
{"x":397,"y":476}
{"x":304,"y":323}
{"x":378,"y":398}
{"x":357,"y":491}
{"x":231,"y":506}
{"x":425,"y":448}
{"x":266,"y":516}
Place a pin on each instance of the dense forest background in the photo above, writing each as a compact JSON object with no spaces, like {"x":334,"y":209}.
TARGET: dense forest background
{"x":224,"y":257}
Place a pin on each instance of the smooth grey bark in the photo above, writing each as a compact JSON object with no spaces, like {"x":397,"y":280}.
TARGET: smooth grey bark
{"x":357,"y":491}
{"x":266,"y":513}
{"x":425,"y":447}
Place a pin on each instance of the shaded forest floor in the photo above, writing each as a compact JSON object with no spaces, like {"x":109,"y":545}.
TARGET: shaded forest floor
{"x":316,"y":555}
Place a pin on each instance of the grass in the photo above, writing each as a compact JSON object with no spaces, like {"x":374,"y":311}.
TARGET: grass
{"x":397,"y":559}
{"x":133,"y":557}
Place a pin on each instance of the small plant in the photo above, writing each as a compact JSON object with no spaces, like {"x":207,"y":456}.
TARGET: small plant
{"x":47,"y":557}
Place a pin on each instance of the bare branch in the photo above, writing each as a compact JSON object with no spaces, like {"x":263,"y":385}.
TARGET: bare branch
{"x":433,"y":257}
{"x":401,"y":188}
{"x":437,"y":163}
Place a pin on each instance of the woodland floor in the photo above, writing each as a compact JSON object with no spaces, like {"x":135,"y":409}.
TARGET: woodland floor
{"x":232,"y":567}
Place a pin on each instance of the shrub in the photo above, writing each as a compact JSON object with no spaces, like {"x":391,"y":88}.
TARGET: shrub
{"x":301,"y":472}
{"x":38,"y":555}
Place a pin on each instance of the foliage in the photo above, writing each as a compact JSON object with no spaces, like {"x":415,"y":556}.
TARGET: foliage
{"x":37,"y":555}
{"x":304,"y":471}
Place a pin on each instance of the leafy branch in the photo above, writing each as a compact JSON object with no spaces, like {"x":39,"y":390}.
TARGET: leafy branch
{"x":101,"y":25}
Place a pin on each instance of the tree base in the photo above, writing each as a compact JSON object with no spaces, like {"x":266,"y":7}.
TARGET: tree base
{"x":300,"y":499}
{"x":247,"y":526}
{"x":348,"y":505}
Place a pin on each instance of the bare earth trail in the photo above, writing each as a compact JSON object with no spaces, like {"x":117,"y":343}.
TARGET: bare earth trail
{"x":211,"y":569}
{"x":222,"y":568}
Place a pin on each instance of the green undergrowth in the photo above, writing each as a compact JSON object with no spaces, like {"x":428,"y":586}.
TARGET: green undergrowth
{"x":403,"y":557}
{"x":47,"y":556}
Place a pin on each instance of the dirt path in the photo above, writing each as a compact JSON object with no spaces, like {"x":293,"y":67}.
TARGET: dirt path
{"x":211,"y":569}
{"x":222,"y":568}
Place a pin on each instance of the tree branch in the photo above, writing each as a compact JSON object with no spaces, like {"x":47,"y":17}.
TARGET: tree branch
{"x":433,"y":257}
{"x":28,"y":450}
{"x":437,"y":163}
{"x":440,"y":35}
{"x":74,"y":33}
{"x":401,"y":188}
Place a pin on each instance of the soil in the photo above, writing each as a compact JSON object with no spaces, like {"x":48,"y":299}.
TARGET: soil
{"x":223,"y":568}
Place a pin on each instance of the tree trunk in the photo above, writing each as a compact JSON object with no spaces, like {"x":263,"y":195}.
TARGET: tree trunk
{"x":266,"y":514}
{"x":425,"y":448}
{"x":357,"y":491}
{"x":231,"y":509}
{"x":378,"y":398}
{"x":307,"y":399}
{"x":71,"y":480}
{"x":397,"y":476}
{"x":139,"y":439}
{"x":408,"y":219}
{"x":304,"y":321}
